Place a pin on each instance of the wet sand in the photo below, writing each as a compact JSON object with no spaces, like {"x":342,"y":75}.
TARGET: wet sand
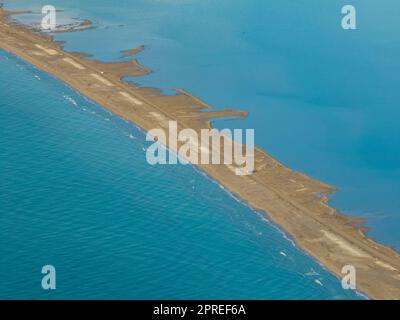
{"x":294,"y":201}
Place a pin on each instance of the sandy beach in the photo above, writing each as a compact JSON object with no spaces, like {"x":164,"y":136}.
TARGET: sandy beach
{"x":295,"y":202}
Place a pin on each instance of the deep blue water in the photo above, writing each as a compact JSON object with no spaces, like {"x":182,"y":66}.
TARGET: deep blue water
{"x":322,"y":100}
{"x":77,"y":193}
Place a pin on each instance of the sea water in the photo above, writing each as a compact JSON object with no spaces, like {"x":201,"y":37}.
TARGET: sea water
{"x":322,"y":100}
{"x":78,"y":194}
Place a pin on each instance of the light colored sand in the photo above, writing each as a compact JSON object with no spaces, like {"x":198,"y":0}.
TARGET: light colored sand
{"x":385,"y":265}
{"x":49,"y":51}
{"x":128,"y":97}
{"x":36,"y":53}
{"x":74,"y":63}
{"x":158,"y":116}
{"x":102,"y":80}
{"x":344,"y":245}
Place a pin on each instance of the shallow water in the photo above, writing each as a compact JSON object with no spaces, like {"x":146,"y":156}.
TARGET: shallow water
{"x":322,"y":100}
{"x":77,"y":193}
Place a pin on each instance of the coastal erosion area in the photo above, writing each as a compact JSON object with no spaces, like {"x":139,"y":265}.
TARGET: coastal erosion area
{"x":292,"y":200}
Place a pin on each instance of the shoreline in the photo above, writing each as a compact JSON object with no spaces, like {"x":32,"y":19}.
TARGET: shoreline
{"x":287,"y":198}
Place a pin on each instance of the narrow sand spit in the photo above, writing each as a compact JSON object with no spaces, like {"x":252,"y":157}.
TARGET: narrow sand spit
{"x":294,"y":201}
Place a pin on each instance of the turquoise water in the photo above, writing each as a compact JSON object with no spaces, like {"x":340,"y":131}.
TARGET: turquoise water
{"x":77,"y":193}
{"x":322,"y":100}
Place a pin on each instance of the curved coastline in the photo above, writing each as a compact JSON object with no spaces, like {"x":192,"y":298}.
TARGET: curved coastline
{"x":292,"y":200}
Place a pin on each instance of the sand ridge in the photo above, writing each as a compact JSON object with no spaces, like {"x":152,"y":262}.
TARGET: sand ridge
{"x":294,"y":201}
